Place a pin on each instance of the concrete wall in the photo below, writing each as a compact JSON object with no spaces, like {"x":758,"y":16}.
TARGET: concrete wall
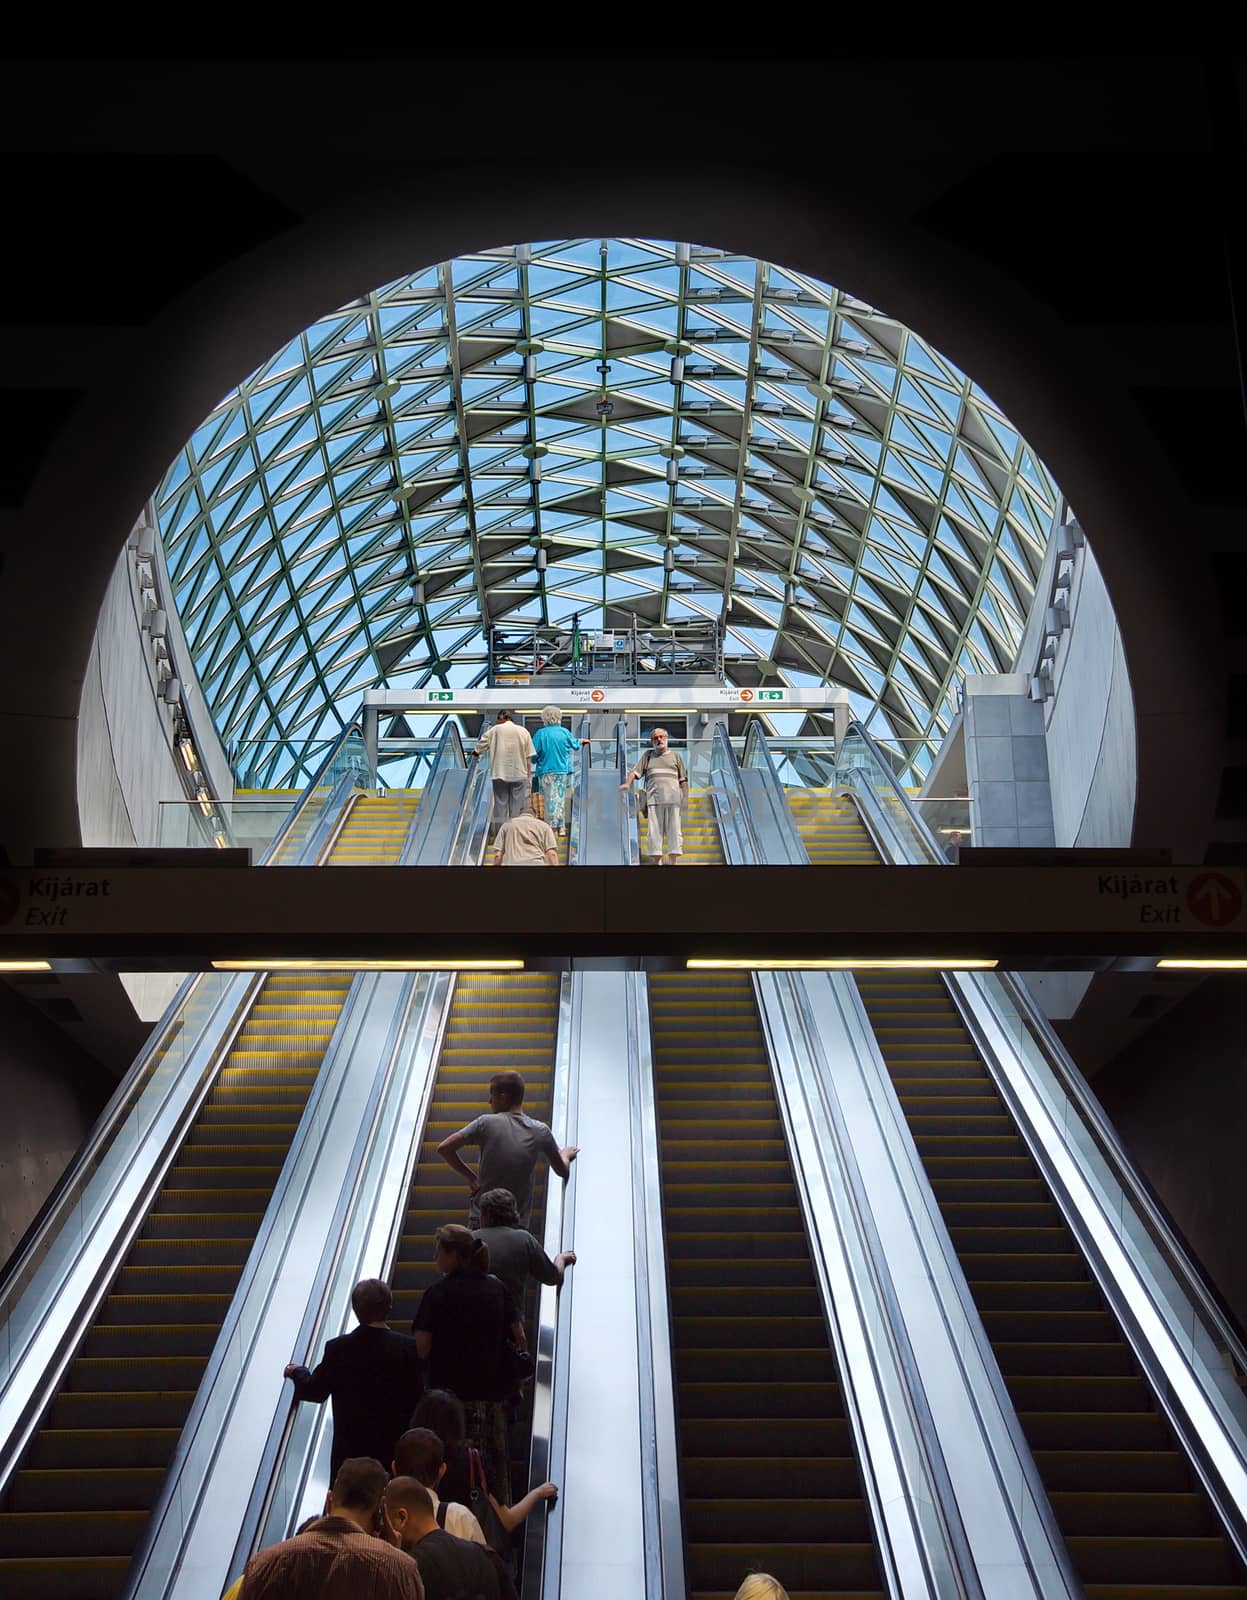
{"x":1178,"y":1099}
{"x":52,"y":1093}
{"x":127,"y":764}
{"x":1089,"y":722}
{"x":1006,"y":763}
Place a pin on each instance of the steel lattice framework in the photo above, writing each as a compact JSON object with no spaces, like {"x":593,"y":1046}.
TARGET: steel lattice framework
{"x":617,"y":428}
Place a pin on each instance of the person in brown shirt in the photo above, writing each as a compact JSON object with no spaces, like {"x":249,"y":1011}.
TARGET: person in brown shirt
{"x":351,"y":1553}
{"x":526,"y":841}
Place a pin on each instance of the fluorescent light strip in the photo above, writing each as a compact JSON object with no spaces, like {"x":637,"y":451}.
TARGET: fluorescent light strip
{"x":25,"y":966}
{"x":1182,"y":964}
{"x":327,"y":964}
{"x":838,"y":964}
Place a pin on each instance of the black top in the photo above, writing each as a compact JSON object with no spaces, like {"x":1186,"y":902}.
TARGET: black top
{"x":456,"y":1484}
{"x":374,"y":1378}
{"x":468,"y":1317}
{"x":454,"y":1569}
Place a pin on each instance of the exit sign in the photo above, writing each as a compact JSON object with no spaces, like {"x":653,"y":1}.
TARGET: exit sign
{"x":441,"y":694}
{"x":770,"y":694}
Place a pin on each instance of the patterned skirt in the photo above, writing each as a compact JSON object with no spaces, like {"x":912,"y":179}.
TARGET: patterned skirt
{"x":487,"y":1432}
{"x":554,"y":794}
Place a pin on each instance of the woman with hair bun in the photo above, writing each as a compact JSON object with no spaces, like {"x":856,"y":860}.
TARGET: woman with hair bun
{"x":460,"y":1326}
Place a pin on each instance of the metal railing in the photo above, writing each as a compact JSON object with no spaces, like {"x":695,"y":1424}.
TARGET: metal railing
{"x":913,"y":1373}
{"x":1191,"y":1353}
{"x":247,"y":1458}
{"x":61,"y":1272}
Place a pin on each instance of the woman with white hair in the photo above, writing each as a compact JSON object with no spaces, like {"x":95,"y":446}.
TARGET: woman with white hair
{"x":761,"y":1586}
{"x":554,"y":746}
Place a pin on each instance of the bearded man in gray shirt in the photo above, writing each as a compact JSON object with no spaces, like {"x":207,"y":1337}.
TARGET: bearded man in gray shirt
{"x":511,"y":1144}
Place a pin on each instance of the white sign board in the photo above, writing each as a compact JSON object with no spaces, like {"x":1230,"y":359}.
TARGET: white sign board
{"x":613,"y":697}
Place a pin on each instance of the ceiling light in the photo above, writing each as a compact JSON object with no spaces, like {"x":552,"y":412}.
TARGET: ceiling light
{"x":25,"y":966}
{"x":335,"y":964}
{"x":1200,"y":964}
{"x":836,"y":963}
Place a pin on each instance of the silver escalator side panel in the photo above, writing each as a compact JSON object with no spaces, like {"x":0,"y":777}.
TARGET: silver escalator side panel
{"x":775,"y":828}
{"x":90,"y":1236}
{"x":617,"y":1522}
{"x":1191,"y":1356}
{"x":979,"y":1471}
{"x":65,"y":1265}
{"x":291,"y":1481}
{"x":543,"y":1529}
{"x":210,"y":1481}
{"x":605,"y":816}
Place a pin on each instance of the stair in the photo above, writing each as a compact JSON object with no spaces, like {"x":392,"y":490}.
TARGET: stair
{"x":768,"y":1475}
{"x":702,"y":845}
{"x":1125,"y":1499}
{"x":831,"y":828}
{"x":77,"y":1506}
{"x":497,"y":1023}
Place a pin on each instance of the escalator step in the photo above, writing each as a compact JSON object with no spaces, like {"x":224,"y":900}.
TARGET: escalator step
{"x":740,"y":1398}
{"x":817,"y":1567}
{"x":95,"y":1489}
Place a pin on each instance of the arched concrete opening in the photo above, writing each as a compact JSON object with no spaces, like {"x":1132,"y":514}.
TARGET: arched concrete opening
{"x":1047,"y":376}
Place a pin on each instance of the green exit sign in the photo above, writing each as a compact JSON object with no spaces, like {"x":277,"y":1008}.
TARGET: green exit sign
{"x":770,"y":694}
{"x":441,"y":694}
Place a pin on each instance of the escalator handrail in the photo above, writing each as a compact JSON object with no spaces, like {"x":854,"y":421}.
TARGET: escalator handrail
{"x":731,"y":804}
{"x":159,"y":1125}
{"x":305,"y":799}
{"x":629,"y":825}
{"x":33,"y":1373}
{"x":661,"y":1499}
{"x":1210,"y":1419}
{"x":543,"y":1528}
{"x":361,"y":1238}
{"x":471,"y":831}
{"x":758,"y":757}
{"x":122,"y":1097}
{"x":911,"y":1436}
{"x":448,"y":754}
{"x":1071,"y":1080}
{"x":579,"y":794}
{"x":177,"y":1494}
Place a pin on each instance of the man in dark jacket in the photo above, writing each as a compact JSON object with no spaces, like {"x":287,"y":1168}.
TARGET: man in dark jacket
{"x":373,"y":1375}
{"x":452,"y":1569}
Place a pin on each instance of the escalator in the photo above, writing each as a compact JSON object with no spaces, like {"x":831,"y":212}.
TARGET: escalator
{"x":830,"y":829}
{"x":766,"y":1462}
{"x":1126,"y":1500}
{"x":504,"y":1022}
{"x":702,"y":845}
{"x":76,"y":1509}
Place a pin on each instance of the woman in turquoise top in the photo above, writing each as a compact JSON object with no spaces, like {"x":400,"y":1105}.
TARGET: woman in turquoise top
{"x":554,"y":746}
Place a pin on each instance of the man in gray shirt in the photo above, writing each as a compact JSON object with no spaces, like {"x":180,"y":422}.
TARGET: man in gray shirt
{"x":511,"y":1144}
{"x":514,"y":1255}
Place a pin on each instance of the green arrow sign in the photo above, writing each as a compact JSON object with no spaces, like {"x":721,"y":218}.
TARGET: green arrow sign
{"x":441,"y":694}
{"x":770,"y":694}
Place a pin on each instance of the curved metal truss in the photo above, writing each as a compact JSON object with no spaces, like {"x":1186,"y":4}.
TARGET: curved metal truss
{"x":619,"y":428}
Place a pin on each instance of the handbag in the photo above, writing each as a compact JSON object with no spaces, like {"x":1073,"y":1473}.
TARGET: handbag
{"x":517,"y":1364}
{"x":479,"y":1504}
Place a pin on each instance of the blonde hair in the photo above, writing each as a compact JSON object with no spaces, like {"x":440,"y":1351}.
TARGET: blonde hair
{"x":471,"y":1255}
{"x":761,"y":1586}
{"x":550,"y":715}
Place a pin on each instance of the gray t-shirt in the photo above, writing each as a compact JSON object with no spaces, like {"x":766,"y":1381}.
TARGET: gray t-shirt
{"x":515,"y":1256}
{"x":511,"y":1143}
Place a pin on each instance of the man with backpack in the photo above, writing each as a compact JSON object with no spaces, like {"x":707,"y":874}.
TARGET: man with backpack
{"x":452,"y":1569}
{"x":420,"y":1454}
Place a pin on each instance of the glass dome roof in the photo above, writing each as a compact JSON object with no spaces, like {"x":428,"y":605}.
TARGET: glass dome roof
{"x":619,"y":428}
